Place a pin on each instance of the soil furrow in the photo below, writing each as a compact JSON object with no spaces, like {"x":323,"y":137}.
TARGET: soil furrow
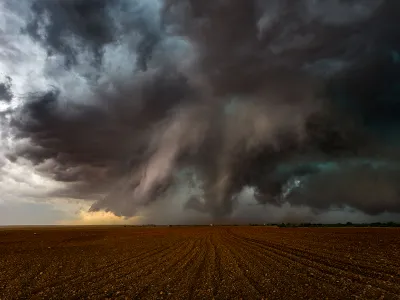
{"x":341,"y":276}
{"x":199,"y":262}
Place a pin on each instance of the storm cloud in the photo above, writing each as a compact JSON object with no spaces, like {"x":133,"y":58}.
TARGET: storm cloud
{"x":143,"y":98}
{"x":5,"y":90}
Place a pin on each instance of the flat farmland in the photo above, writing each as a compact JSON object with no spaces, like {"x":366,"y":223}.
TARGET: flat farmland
{"x":219,"y":262}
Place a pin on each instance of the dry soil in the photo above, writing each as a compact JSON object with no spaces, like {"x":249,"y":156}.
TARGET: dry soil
{"x":207,"y":262}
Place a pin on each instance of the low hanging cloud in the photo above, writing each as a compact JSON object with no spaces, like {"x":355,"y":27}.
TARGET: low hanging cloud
{"x":140,"y":99}
{"x":366,"y":188}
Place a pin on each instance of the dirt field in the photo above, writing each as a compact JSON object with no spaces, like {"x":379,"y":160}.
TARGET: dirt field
{"x":199,"y":263}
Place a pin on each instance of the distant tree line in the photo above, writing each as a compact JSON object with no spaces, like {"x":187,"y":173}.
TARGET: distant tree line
{"x":287,"y":225}
{"x":348,"y":224}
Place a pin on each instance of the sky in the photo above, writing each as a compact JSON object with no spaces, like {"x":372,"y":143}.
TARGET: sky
{"x":181,"y":112}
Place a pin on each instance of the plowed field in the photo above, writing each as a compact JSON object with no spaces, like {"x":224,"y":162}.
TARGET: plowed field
{"x":199,"y":263}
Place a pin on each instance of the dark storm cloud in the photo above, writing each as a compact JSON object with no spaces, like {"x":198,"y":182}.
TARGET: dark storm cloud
{"x":91,"y":142}
{"x":241,"y":41}
{"x":70,"y":27}
{"x":54,"y":22}
{"x":364,"y":187}
{"x":6,"y":93}
{"x":264,"y":86}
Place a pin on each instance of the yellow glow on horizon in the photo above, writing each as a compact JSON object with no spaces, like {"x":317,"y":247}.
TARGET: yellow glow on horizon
{"x":101,"y":218}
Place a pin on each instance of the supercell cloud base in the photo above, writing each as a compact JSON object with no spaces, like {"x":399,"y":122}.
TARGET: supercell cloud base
{"x":184,"y":111}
